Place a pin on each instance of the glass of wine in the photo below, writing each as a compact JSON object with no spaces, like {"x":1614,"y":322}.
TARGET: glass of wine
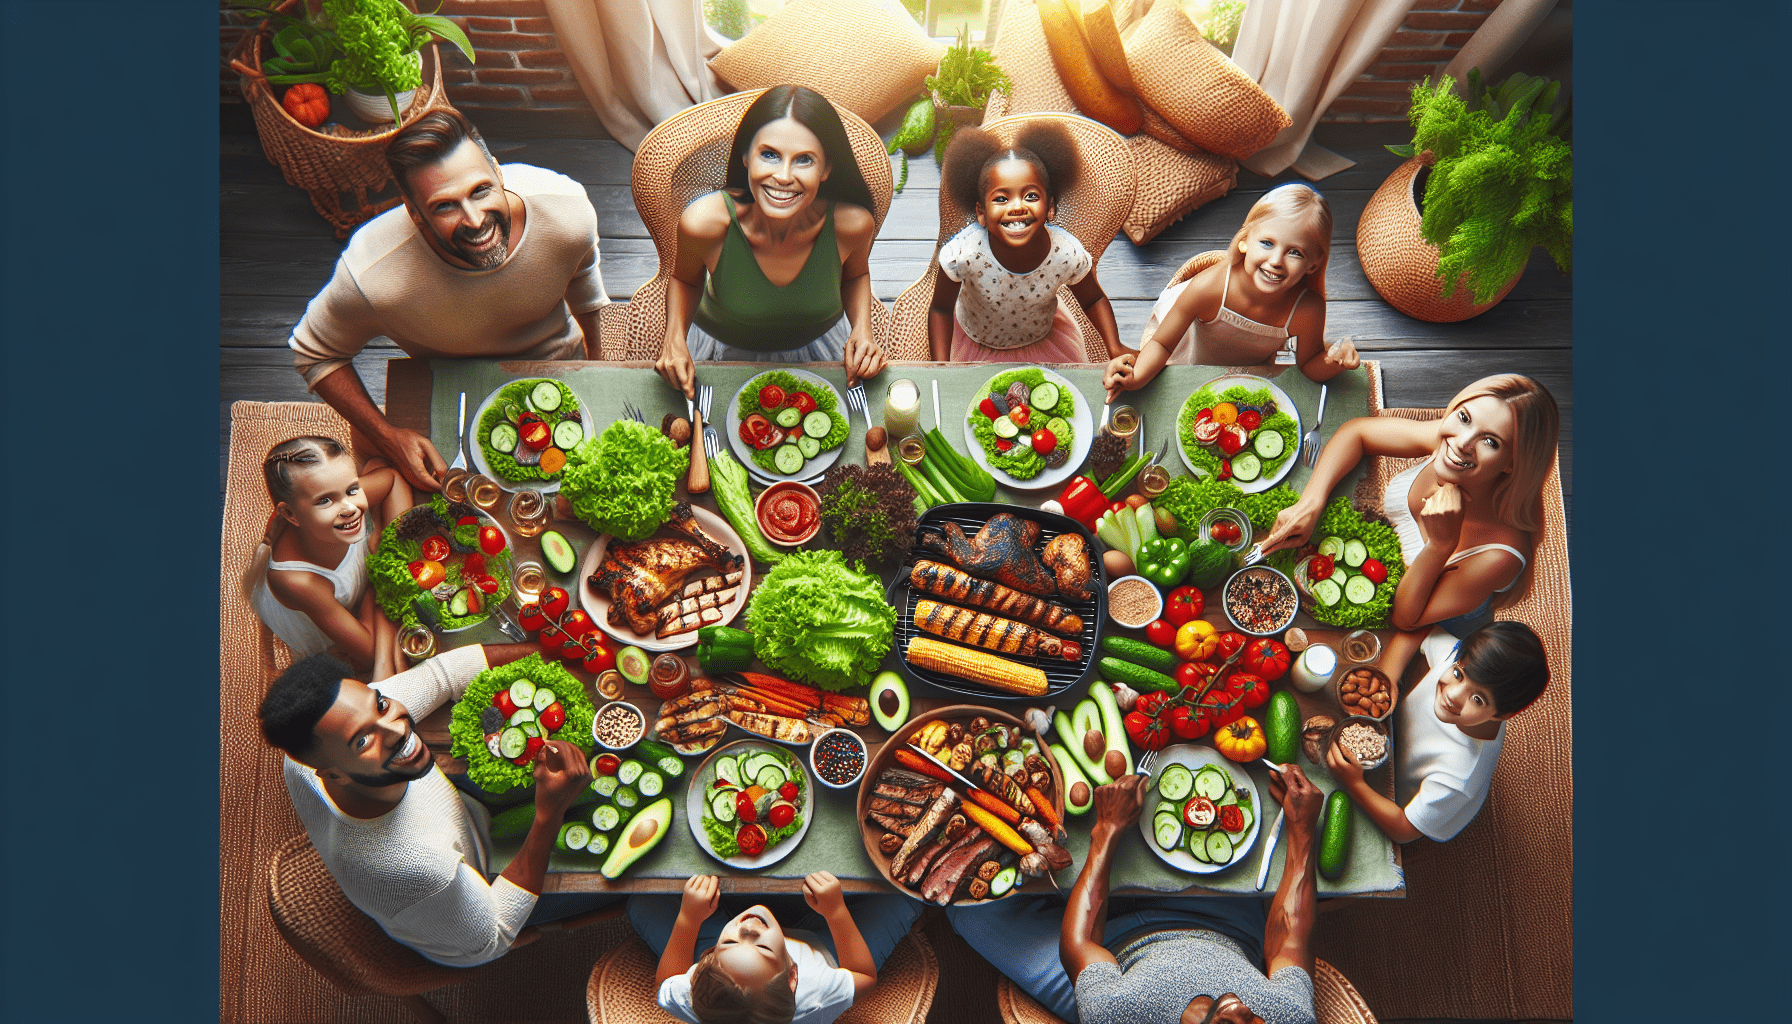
{"x":528,"y":512}
{"x":484,"y":491}
{"x":454,"y":484}
{"x":529,"y":581}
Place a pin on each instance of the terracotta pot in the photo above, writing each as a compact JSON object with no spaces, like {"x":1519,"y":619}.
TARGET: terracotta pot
{"x":1400,"y":264}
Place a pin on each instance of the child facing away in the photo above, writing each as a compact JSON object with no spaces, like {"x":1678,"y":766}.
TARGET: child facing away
{"x":1451,"y":728}
{"x":1263,"y":304}
{"x":308,"y":580}
{"x":995,"y":298}
{"x":750,"y":970}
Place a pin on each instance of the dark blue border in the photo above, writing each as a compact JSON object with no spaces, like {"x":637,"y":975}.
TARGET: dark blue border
{"x":1680,"y":294}
{"x":110,"y":307}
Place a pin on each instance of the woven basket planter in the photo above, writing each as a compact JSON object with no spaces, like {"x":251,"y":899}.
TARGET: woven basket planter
{"x":1400,"y":264}
{"x":338,"y":172}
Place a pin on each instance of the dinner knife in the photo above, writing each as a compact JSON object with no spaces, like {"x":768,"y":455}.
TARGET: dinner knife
{"x":1269,"y":848}
{"x":948,"y":769}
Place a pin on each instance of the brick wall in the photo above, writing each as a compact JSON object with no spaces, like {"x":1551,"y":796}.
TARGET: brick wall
{"x":1426,"y":41}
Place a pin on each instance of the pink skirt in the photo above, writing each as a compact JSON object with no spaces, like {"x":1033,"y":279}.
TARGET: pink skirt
{"x":1063,"y":345}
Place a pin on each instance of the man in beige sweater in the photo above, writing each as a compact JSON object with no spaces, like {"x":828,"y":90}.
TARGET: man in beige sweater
{"x":480,"y":262}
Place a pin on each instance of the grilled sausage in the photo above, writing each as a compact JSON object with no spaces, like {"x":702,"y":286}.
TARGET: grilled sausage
{"x":942,"y":580}
{"x":991,"y":632}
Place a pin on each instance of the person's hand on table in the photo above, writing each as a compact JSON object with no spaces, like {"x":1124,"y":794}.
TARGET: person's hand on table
{"x":561,"y":776}
{"x":864,"y":359}
{"x":1343,"y":765}
{"x":1118,"y":803}
{"x":415,"y":458}
{"x":1293,"y":526}
{"x":676,"y":367}
{"x":1442,"y":515}
{"x":702,"y":894}
{"x":821,"y":891}
{"x":1342,"y":354}
{"x":1302,"y":800}
{"x":1119,"y":375}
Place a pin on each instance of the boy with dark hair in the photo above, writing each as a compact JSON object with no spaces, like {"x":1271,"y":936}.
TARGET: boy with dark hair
{"x":1450,"y":727}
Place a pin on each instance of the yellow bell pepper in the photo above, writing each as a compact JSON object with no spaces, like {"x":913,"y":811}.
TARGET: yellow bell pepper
{"x":1196,"y":640}
{"x":1242,"y":741}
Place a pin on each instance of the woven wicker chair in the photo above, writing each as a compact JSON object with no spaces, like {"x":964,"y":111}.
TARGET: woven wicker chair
{"x":621,"y":988}
{"x":339,"y":941}
{"x":1092,"y":211}
{"x":1334,"y":1001}
{"x":685,"y":157}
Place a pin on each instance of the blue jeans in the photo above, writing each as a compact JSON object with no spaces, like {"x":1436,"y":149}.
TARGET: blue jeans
{"x":556,"y":906}
{"x":1019,"y":935}
{"x":882,"y":919}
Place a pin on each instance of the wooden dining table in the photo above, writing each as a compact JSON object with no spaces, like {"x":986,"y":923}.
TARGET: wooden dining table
{"x":420,"y":396}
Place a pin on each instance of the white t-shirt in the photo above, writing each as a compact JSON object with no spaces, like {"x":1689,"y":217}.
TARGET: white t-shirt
{"x":999,"y":308}
{"x":824,"y":991}
{"x":1442,"y":774}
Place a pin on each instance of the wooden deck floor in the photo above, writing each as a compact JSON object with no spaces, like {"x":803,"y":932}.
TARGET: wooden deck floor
{"x":275,"y":253}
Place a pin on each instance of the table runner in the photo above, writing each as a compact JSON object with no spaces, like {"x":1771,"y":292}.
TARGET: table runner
{"x":833,"y":841}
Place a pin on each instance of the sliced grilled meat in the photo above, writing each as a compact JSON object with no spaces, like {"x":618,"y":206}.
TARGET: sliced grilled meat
{"x":890,"y":824}
{"x":936,"y":813}
{"x":950,"y":869}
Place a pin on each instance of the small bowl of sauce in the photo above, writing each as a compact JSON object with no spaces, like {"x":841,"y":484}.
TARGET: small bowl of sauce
{"x":789,"y":513}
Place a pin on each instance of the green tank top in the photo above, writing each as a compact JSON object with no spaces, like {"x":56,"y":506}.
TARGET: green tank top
{"x":742,"y":308}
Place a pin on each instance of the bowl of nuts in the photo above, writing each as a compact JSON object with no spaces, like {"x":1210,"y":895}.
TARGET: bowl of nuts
{"x":1367,"y":738}
{"x":1364,"y":691}
{"x":617,"y":725}
{"x":1260,"y":600}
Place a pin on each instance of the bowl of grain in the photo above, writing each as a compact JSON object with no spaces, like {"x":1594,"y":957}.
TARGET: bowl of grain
{"x":1367,"y":738}
{"x":618,"y":725}
{"x":1134,"y":602}
{"x":1259,"y":600}
{"x":1364,"y":691}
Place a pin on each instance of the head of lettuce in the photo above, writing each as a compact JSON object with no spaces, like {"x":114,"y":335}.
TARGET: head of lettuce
{"x":621,"y":482}
{"x":818,"y":621}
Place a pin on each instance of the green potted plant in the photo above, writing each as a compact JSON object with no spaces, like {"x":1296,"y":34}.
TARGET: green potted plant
{"x":1487,"y":179}
{"x":369,"y":51}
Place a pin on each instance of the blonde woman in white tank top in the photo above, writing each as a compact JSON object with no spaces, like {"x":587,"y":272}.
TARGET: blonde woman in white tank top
{"x":1468,"y":516}
{"x":1264,"y":304}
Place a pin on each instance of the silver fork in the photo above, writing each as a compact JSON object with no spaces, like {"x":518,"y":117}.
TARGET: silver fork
{"x":460,"y":437}
{"x":1146,"y":761}
{"x":711,"y":440}
{"x":855,"y":399}
{"x":1309,"y":442}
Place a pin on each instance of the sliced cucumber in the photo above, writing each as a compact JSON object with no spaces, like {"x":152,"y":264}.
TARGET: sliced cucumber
{"x":1230,"y":797}
{"x":522,"y":715}
{"x":458,"y":605}
{"x":503,"y":438}
{"x":625,"y":798}
{"x":1197,"y":845}
{"x":629,"y":771}
{"x":512,"y":742}
{"x":1167,"y":830}
{"x":722,"y":807}
{"x":809,"y":446}
{"x":788,"y":458}
{"x":605,"y":786}
{"x":726,"y":771}
{"x":543,"y":698}
{"x":599,"y":845}
{"x":606,"y":818}
{"x":567,"y":435}
{"x":1268,"y":444}
{"x":1165,"y":807}
{"x":532,"y":730}
{"x":770,"y":777}
{"x":1219,"y":848}
{"x":1004,"y":427}
{"x":1175,"y":782}
{"x":1246,"y":466}
{"x":1327,"y":593}
{"x":1359,"y":590}
{"x":545,"y":397}
{"x":1355,"y":553}
{"x":573,"y":836}
{"x":522,"y":693}
{"x":650,"y":784}
{"x":1060,"y":429}
{"x":788,"y":417}
{"x":1212,"y":783}
{"x":818,"y":425}
{"x":1045,"y":397}
{"x":1003,"y":881}
{"x":1333,"y":546}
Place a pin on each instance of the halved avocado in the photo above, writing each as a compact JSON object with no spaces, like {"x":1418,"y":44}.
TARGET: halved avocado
{"x":889,"y":701}
{"x":558,"y":552}
{"x":644,"y":832}
{"x":634,"y":664}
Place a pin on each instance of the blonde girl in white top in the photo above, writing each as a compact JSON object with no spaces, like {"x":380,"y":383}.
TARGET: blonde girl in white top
{"x":1265,"y":304}
{"x":1477,"y":500}
{"x":308,"y":580}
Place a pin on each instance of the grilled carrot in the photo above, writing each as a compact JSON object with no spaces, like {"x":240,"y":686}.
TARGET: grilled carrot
{"x":775,"y":703}
{"x":856,"y":710}
{"x":926,"y":766}
{"x":808,"y":696}
{"x":997,"y":828}
{"x":994,"y":804}
{"x":1045,"y":808}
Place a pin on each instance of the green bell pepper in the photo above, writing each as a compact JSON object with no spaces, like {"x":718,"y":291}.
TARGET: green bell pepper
{"x":722,"y":649}
{"x":1164,"y":561}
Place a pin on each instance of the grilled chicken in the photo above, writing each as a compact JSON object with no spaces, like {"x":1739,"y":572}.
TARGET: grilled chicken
{"x":991,"y":632}
{"x":947,"y":582}
{"x":640,"y":577}
{"x":1067,"y":556}
{"x":1001,"y":551}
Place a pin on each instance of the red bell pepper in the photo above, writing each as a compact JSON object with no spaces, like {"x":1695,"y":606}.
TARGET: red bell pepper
{"x":1083,"y":501}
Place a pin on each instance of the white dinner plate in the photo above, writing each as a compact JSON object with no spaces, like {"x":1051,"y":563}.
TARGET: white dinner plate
{"x":1192,"y":757}
{"x":1081,"y":424}
{"x":476,"y":451}
{"x":1283,"y":404}
{"x":812,"y":468}
{"x":598,"y":605}
{"x":695,"y":806}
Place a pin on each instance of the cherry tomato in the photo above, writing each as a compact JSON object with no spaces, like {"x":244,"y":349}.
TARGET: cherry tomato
{"x":1375,"y":571}
{"x":1203,"y":415}
{"x":744,"y":808}
{"x":416,"y":569}
{"x":1161,"y":632}
{"x":430,"y":574}
{"x":794,"y":433}
{"x":435,"y":548}
{"x":751,"y":840}
{"x":472,"y":565}
{"x":1188,"y":673}
{"x":530,"y":617}
{"x":535,"y":743}
{"x":1020,"y":414}
{"x":1231,"y":642}
{"x":486,"y":584}
{"x":1231,"y":818}
{"x":467,"y":521}
{"x":1003,"y":444}
{"x":501,"y":700}
{"x":554,"y":602}
{"x":1225,"y":472}
{"x":1250,"y":419}
{"x":553,"y":717}
{"x":781,"y":815}
{"x":606,"y":764}
{"x":571,"y":649}
{"x":576,"y":623}
{"x":551,"y":640}
{"x":1187,"y":723}
{"x":536,"y":435}
{"x":1322,"y":566}
{"x":475,"y":603}
{"x":1044,"y":441}
{"x":803,"y":401}
{"x":1232,"y":440}
{"x":771,"y":396}
{"x":598,"y":655}
{"x":491,"y":539}
{"x":788,"y":791}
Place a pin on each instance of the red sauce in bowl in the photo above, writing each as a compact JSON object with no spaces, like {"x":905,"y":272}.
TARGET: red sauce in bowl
{"x":789,"y":512}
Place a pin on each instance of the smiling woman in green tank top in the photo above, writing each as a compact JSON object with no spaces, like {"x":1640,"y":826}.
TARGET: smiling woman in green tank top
{"x":777,"y":266}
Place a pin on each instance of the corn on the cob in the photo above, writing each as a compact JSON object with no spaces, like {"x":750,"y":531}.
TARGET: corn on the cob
{"x":976,"y":666}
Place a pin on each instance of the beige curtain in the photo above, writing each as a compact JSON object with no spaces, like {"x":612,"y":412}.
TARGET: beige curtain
{"x":1305,"y":53}
{"x":638,"y":61}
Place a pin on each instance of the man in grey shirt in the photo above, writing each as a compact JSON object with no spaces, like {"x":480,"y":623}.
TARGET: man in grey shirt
{"x":1194,"y":960}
